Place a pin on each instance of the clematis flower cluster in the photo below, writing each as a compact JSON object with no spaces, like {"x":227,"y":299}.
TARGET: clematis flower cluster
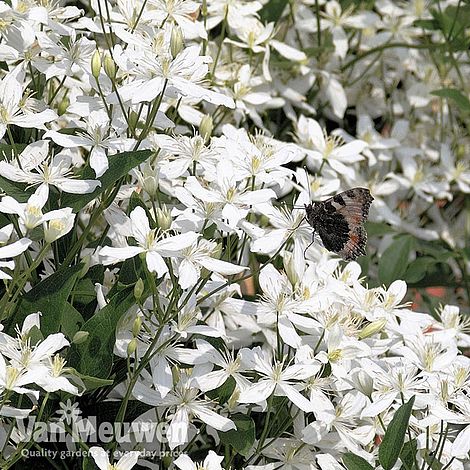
{"x":156,"y":158}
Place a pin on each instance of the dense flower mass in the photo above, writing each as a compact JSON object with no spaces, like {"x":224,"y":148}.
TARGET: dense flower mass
{"x":163,"y":303}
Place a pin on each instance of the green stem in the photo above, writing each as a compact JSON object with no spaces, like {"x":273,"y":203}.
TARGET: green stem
{"x":13,"y":145}
{"x":222,"y":37}
{"x":51,"y":99}
{"x":317,"y":14}
{"x":151,"y":116}
{"x":266,"y":423}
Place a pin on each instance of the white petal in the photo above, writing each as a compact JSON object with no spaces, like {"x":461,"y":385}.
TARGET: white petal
{"x":271,"y":281}
{"x":178,"y":430}
{"x":99,"y":161}
{"x":185,"y":463}
{"x":258,"y":392}
{"x":12,"y":173}
{"x":379,"y":405}
{"x":169,"y":245}
{"x":315,"y":432}
{"x":140,"y":225}
{"x":288,"y":52}
{"x":34,"y":120}
{"x":15,"y":249}
{"x":155,"y":263}
{"x":128,"y":460}
{"x":211,"y":380}
{"x":337,"y":97}
{"x":49,"y":346}
{"x":221,"y":267}
{"x":161,"y":375}
{"x":196,"y":91}
{"x":351,"y":149}
{"x":213,"y":461}
{"x":100,"y":456}
{"x":461,"y":445}
{"x":296,"y":398}
{"x":288,"y":333}
{"x":256,"y":197}
{"x":11,"y":206}
{"x":114,"y":255}
{"x":67,"y":140}
{"x":221,"y":423}
{"x":76,"y":186}
{"x":188,"y":274}
{"x":270,"y":242}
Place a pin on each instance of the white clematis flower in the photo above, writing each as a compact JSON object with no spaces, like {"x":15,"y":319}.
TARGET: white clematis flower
{"x":149,"y":241}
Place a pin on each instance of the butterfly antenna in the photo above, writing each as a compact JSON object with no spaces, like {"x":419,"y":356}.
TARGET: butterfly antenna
{"x":310,"y":244}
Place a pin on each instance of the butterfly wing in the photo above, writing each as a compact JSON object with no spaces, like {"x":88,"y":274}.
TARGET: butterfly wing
{"x":340,"y":222}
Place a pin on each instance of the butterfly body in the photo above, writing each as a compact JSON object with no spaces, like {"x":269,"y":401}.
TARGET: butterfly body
{"x":339,"y":221}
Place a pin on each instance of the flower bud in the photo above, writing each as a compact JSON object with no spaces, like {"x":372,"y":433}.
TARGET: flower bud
{"x":362,"y":382}
{"x":217,"y":251}
{"x":206,"y":127}
{"x":63,"y":105}
{"x":148,"y":179}
{"x":80,"y":337}
{"x":133,"y":120}
{"x":232,"y":402}
{"x":131,"y":347}
{"x":136,"y":326}
{"x":57,"y":228}
{"x":86,"y":266}
{"x":110,"y":67}
{"x":176,"y":41}
{"x":289,"y":268}
{"x":96,"y":64}
{"x":372,"y":328}
{"x":138,"y":289}
{"x":164,"y":218}
{"x":460,"y":152}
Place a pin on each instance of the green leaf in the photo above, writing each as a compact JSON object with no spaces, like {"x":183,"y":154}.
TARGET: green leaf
{"x":273,"y":10}
{"x":408,"y":453}
{"x":17,"y":191}
{"x":437,"y":275}
{"x":131,"y":270}
{"x":462,"y":102}
{"x":119,"y":166}
{"x":84,"y":291}
{"x":8,"y":152}
{"x":50,"y":298}
{"x":394,"y":260}
{"x":426,"y":24}
{"x":94,"y":357}
{"x":70,"y":320}
{"x":242,"y":438}
{"x":224,"y":392}
{"x":418,"y":268}
{"x":88,"y":464}
{"x":354,"y":462}
{"x":91,"y":383}
{"x":378,"y":229}
{"x":394,"y":438}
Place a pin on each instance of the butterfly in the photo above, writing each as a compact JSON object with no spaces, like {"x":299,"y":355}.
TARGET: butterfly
{"x":339,"y":222}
